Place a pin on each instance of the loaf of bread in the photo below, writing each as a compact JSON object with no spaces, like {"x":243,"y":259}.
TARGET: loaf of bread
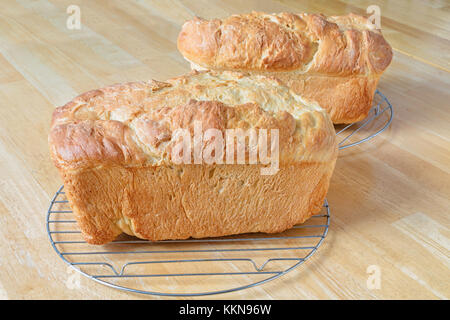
{"x":335,"y":61}
{"x":114,"y":148}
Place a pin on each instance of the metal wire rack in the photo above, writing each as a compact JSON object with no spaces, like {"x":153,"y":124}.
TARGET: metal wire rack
{"x":222,"y":264}
{"x":378,"y":120}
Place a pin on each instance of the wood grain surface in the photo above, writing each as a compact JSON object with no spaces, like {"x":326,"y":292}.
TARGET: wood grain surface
{"x":389,"y":197}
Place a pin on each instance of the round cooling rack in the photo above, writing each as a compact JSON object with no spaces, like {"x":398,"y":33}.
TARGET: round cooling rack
{"x":378,"y":120}
{"x":184,"y":267}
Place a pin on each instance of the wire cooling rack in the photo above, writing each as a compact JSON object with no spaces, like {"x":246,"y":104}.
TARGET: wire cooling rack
{"x":184,"y":267}
{"x":378,"y":120}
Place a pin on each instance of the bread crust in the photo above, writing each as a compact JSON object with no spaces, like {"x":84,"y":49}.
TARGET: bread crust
{"x":304,"y":50}
{"x":112,"y":147}
{"x":123,"y":124}
{"x":179,"y":202}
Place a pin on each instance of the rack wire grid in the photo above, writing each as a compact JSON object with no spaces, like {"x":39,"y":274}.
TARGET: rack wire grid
{"x":222,"y":264}
{"x":378,"y":120}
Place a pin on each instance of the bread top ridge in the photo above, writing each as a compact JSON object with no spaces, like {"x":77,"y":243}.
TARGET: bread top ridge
{"x":286,"y":42}
{"x":132,"y":124}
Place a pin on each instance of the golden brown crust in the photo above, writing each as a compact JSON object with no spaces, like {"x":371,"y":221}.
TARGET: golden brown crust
{"x":132,"y":124}
{"x":179,"y":202}
{"x":304,"y":47}
{"x":112,"y":147}
{"x":347,"y":99}
{"x":244,"y":43}
{"x":313,"y":43}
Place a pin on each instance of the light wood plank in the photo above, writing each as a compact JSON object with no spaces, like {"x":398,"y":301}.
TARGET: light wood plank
{"x":389,"y":198}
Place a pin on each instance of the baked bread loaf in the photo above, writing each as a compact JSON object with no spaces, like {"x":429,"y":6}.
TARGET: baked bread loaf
{"x":336,"y":61}
{"x":114,"y":149}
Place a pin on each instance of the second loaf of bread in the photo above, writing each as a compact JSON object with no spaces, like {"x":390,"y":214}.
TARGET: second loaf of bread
{"x":336,"y":61}
{"x":112,"y":147}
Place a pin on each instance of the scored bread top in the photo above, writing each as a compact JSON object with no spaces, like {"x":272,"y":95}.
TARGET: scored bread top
{"x":313,"y":43}
{"x":132,"y":124}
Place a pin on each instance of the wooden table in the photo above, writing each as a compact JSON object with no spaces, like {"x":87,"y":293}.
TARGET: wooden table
{"x":390,"y":197}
